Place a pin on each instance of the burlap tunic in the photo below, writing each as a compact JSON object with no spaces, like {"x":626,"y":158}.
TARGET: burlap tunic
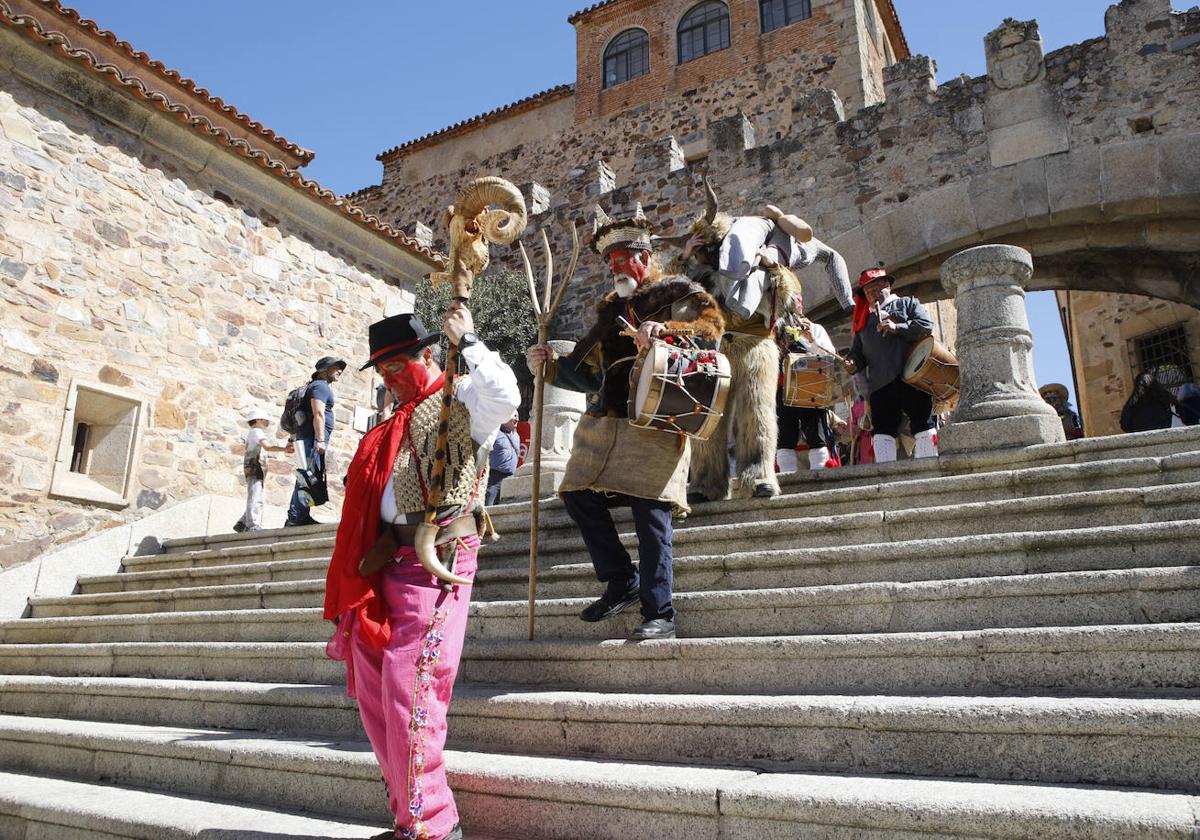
{"x":611,"y":456}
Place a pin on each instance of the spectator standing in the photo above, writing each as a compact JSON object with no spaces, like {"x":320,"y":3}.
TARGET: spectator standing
{"x":1150,"y":406}
{"x":1187,"y":403}
{"x":506,"y":451}
{"x":312,"y":435}
{"x":254,"y":468}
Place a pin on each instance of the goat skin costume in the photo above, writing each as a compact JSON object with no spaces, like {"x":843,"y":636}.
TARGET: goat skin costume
{"x":608,"y":454}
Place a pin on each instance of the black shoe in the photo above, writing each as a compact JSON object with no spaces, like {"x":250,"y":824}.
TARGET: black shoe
{"x":606,"y":607}
{"x":658,"y":628}
{"x":308,"y":520}
{"x":763,"y":490}
{"x":239,"y":526}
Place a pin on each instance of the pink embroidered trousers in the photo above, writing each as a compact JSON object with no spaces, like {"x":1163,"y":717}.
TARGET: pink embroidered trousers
{"x":403,"y":690}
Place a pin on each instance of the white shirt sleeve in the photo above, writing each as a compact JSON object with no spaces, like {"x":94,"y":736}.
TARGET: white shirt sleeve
{"x":821,"y":337}
{"x":490,"y":392}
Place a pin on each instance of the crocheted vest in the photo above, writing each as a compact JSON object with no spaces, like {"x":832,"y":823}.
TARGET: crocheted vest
{"x":463,"y":478}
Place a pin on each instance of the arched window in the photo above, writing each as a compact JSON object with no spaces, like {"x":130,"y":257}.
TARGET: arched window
{"x":627,"y":57}
{"x":703,"y":30}
{"x":777,"y":14}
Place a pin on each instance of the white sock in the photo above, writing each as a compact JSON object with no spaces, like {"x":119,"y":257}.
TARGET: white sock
{"x":885,"y":448}
{"x":786,"y":459}
{"x":926,"y":445}
{"x":818,"y":457}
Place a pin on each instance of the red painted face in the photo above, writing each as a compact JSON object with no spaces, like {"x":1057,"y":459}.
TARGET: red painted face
{"x":628,"y":262}
{"x":405,"y":377}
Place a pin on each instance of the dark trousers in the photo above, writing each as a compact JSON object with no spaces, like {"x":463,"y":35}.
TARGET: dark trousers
{"x":614,"y":567}
{"x":897,"y":398}
{"x":492,"y":495}
{"x":794,"y":422}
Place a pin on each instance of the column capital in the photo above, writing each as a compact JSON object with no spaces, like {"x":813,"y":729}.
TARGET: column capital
{"x":987,"y":262}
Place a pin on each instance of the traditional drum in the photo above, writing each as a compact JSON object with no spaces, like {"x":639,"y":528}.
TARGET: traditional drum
{"x":809,"y":380}
{"x":932,"y":368}
{"x":678,"y":389}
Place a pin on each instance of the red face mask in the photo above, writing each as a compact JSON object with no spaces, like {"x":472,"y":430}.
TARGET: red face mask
{"x":629,"y":263}
{"x":408,"y":382}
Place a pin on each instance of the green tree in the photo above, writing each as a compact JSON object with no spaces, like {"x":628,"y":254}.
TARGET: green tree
{"x":503,"y":317}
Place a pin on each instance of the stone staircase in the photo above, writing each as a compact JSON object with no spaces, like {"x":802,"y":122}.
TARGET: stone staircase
{"x":1004,"y":645}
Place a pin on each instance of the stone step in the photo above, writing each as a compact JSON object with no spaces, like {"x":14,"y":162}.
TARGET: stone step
{"x":241,"y":596}
{"x":285,"y":547}
{"x":1139,"y":742}
{"x":1106,"y":660}
{"x":1111,"y":660}
{"x":551,"y":798}
{"x":273,"y":625}
{"x":1132,"y":596}
{"x":254,"y":539}
{"x":1088,"y":509}
{"x":266,"y":571}
{"x":43,"y":807}
{"x":1112,"y":547}
{"x":1029,"y":482}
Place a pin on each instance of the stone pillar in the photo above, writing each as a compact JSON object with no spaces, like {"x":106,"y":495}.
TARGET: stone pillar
{"x":562,"y":411}
{"x":999,"y":406}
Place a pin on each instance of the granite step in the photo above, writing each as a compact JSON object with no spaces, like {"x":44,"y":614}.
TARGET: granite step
{"x":1132,"y":596}
{"x":35,"y":807}
{"x":1141,"y":742}
{"x":1030,"y":482}
{"x":285,"y":546}
{"x":1109,"y":660}
{"x":1088,"y":509}
{"x":1113,"y":547}
{"x":550,"y":798}
{"x":271,"y":625}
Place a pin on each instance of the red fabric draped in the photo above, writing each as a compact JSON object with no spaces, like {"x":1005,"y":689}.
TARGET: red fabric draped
{"x":862,"y":311}
{"x":345,"y":588}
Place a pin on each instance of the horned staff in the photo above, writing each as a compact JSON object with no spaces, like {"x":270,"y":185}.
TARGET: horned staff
{"x":473,"y":223}
{"x":544,"y":311}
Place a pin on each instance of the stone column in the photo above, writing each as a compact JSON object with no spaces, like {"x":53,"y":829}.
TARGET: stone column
{"x":999,"y":405}
{"x":562,"y":411}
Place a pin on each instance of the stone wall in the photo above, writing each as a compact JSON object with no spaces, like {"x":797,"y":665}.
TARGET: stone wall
{"x":197,"y":293}
{"x":1103,"y":329}
{"x":1084,"y":156}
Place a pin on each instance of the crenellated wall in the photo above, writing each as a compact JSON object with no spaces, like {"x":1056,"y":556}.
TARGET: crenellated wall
{"x":1086,"y":157}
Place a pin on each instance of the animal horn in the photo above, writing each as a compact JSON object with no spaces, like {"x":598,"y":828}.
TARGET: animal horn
{"x":638,"y":214}
{"x":502,"y":225}
{"x":424,"y":543}
{"x":710,"y":202}
{"x":600,"y":219}
{"x":678,"y":240}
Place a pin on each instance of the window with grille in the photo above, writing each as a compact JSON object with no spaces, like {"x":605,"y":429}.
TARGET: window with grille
{"x":1165,"y":353}
{"x":777,"y":14}
{"x":627,"y":57}
{"x":703,"y":30}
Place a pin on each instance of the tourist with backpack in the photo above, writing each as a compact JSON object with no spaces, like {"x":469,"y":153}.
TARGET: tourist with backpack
{"x":308,"y":417}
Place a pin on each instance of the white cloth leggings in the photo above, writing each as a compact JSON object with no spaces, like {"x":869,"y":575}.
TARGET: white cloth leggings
{"x":255,"y":496}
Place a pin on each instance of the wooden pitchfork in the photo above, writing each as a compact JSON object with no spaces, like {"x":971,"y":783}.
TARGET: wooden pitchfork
{"x":545,"y":310}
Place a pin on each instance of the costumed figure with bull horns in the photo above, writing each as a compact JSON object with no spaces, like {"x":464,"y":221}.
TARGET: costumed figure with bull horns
{"x":746,"y":264}
{"x":399,"y":584}
{"x":614,"y":463}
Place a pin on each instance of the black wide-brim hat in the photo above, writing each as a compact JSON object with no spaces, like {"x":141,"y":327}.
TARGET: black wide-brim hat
{"x":398,"y":335}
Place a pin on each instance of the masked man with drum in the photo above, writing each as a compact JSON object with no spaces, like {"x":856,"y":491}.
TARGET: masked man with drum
{"x":885,"y":327}
{"x":613,"y":462}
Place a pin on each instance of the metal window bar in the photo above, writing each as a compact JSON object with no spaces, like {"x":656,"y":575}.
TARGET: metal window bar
{"x":703,"y":30}
{"x":1165,"y":353}
{"x":627,"y":57}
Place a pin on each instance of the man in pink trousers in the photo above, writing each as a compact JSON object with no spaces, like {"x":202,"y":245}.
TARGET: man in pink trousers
{"x":400,"y":629}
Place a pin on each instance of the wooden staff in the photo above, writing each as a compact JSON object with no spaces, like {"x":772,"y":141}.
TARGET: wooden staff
{"x":544,"y":311}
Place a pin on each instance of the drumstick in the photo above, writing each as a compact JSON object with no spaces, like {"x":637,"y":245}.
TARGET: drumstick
{"x":631,"y":331}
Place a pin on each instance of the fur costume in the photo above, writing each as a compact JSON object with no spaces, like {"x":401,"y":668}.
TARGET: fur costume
{"x":754,"y":361}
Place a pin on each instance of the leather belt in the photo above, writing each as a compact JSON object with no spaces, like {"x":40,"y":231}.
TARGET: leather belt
{"x":463,"y":526}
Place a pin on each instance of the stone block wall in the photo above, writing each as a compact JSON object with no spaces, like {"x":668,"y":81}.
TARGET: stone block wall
{"x":120,"y":265}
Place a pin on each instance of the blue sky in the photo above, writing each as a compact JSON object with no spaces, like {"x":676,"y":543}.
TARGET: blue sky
{"x":351,"y":79}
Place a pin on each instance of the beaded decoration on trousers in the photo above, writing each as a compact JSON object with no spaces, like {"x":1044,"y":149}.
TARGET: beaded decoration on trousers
{"x":422,"y":691}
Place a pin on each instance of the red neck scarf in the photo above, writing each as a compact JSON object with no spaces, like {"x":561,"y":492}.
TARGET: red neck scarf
{"x":345,"y":588}
{"x":862,"y":311}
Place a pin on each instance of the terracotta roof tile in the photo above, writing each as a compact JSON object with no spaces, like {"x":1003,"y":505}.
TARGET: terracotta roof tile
{"x":590,"y":9}
{"x":57,"y":41}
{"x":545,"y":97}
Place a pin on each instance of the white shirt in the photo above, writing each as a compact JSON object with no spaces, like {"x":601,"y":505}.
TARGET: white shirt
{"x":490,"y":394}
{"x":255,"y":438}
{"x":821,"y":337}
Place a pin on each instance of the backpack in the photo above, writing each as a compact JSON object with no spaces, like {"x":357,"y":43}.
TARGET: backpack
{"x":295,"y":413}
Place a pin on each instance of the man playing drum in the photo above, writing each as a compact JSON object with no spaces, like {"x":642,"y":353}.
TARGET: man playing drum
{"x":885,"y":326}
{"x":613,"y":462}
{"x":796,"y":334}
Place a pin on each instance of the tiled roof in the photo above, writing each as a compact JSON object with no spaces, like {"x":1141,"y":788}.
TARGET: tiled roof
{"x":57,"y":41}
{"x":543,"y":98}
{"x":590,"y":9}
{"x":173,"y":77}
